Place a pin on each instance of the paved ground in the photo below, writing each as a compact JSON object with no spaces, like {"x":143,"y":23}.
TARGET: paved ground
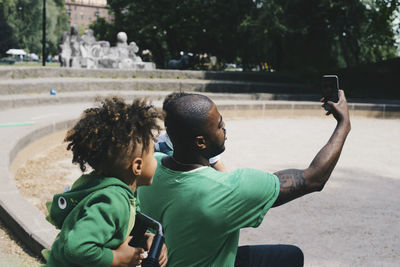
{"x":355,"y":220}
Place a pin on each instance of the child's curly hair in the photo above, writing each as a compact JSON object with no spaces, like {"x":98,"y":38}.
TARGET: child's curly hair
{"x":108,"y":135}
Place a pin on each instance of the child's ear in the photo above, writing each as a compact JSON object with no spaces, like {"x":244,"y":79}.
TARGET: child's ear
{"x":200,"y":142}
{"x":137,"y":166}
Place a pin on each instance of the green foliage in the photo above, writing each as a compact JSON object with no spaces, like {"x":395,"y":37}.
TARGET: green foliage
{"x":320,"y":34}
{"x":57,"y":23}
{"x":297,"y":35}
{"x":6,"y":32}
{"x":25,"y":19}
{"x":104,"y":31}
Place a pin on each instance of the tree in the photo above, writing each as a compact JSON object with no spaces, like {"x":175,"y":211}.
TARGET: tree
{"x":25,"y":19}
{"x":323,"y":34}
{"x":56,"y":24}
{"x":296,"y":35}
{"x":167,"y":27}
{"x":104,"y":30}
{"x":6,"y":33}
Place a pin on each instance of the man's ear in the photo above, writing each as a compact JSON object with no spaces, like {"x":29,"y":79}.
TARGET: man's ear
{"x":200,"y":142}
{"x":137,"y":166}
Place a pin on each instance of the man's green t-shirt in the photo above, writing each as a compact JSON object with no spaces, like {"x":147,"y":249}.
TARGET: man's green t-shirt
{"x":203,"y":210}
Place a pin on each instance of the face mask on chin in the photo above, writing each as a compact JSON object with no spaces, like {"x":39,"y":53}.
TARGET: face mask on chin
{"x":214,"y":151}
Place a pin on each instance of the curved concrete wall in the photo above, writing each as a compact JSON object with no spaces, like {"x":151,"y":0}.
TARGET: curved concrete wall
{"x":24,"y":219}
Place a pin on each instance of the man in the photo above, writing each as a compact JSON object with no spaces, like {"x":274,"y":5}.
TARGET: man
{"x":164,"y":144}
{"x":203,"y":210}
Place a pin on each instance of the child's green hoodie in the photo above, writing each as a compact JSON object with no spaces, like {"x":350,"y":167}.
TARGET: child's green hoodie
{"x":95,"y":217}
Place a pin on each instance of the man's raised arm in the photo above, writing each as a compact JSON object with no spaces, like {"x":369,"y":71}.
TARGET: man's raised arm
{"x":296,"y":183}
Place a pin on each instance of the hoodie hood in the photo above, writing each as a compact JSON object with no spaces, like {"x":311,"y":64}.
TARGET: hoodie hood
{"x":64,"y":203}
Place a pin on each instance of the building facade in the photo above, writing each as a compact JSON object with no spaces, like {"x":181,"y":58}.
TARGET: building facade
{"x":85,"y":12}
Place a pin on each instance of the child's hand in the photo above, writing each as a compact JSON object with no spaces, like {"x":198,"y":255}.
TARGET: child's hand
{"x":163,"y":259}
{"x":127,"y":256}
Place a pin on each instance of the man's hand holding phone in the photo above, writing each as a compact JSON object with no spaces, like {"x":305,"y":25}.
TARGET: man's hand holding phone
{"x":330,"y":88}
{"x":340,"y":109}
{"x":334,"y":100}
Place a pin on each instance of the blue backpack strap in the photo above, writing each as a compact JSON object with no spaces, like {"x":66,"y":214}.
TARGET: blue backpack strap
{"x":164,"y":148}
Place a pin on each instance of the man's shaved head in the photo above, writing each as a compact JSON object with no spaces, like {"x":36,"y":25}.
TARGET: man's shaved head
{"x":187,"y":115}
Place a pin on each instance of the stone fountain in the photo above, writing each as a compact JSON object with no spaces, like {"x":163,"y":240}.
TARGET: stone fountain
{"x":86,"y":52}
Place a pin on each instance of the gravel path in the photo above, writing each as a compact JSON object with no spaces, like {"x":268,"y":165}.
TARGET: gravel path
{"x":12,"y":252}
{"x":353,"y":222}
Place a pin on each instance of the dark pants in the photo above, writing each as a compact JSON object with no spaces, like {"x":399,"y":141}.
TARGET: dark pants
{"x":269,"y":256}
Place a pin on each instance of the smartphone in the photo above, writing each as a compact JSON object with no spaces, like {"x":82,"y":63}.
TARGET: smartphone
{"x":330,"y":89}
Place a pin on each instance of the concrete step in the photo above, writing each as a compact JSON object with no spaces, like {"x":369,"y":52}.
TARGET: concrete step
{"x":43,"y":72}
{"x":41,"y":85}
{"x":9,"y":101}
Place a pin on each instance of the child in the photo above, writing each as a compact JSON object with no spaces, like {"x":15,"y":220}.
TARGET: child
{"x":97,"y":215}
{"x":164,"y":144}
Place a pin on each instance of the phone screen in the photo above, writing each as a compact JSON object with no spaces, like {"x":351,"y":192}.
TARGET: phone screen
{"x":330,"y":88}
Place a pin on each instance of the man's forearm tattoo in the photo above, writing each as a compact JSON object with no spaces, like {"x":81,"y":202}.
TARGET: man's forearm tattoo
{"x":292,"y":181}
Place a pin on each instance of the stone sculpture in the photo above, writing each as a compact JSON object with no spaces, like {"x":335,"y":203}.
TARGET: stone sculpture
{"x":87,"y":42}
{"x":65,"y":55}
{"x":86,"y":52}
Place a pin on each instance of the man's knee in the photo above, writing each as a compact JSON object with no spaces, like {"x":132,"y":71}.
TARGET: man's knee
{"x":286,"y":256}
{"x":270,"y":255}
{"x":295,"y":256}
